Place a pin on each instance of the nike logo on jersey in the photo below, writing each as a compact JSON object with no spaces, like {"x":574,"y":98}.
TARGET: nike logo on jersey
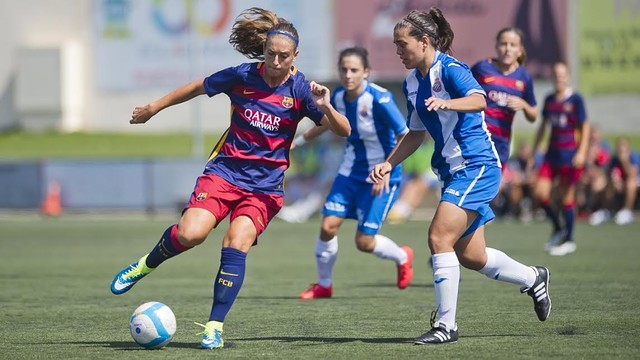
{"x":248,"y":92}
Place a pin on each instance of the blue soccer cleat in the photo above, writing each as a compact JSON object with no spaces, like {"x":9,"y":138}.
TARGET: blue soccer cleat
{"x":129,"y":276}
{"x":212,"y":335}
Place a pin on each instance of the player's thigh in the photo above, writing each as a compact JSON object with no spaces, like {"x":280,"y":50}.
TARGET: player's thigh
{"x":194,"y":226}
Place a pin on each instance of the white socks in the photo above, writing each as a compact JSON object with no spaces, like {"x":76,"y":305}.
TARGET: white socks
{"x":501,"y":267}
{"x":446,"y":277}
{"x":386,"y":249}
{"x":326,"y":255}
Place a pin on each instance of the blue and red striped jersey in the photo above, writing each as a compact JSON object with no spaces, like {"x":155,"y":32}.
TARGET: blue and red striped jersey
{"x":566,"y":117}
{"x":253,"y":153}
{"x":499,"y":87}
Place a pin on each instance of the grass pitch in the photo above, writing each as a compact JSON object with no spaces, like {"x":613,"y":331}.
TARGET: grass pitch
{"x":55,"y":301}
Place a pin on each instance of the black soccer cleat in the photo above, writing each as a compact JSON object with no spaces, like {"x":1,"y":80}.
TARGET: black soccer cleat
{"x":437,"y":335}
{"x":539,"y":292}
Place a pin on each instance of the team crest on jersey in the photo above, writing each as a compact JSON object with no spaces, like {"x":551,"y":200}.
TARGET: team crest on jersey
{"x":519,"y":85}
{"x":202,"y":196}
{"x":364,"y":111}
{"x":568,"y":108}
{"x":287,"y":102}
{"x":437,"y":85}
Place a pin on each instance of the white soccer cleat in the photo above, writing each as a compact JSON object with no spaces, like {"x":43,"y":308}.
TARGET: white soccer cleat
{"x":623,"y":217}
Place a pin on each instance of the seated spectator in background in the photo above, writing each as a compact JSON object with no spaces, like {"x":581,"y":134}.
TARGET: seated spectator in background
{"x":519,"y":178}
{"x":418,"y":181}
{"x":591,"y":190}
{"x":623,"y":185}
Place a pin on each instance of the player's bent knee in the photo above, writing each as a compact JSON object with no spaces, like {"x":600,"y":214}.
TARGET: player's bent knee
{"x":191,"y":238}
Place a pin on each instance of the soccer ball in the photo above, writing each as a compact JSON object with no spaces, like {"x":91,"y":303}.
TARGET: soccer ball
{"x":152,"y":325}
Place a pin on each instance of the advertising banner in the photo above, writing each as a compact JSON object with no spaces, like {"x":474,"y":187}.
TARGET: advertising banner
{"x":143,"y":44}
{"x":370,"y":23}
{"x":609,"y":46}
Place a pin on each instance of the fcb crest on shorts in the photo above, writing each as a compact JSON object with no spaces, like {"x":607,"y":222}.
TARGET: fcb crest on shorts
{"x":202,"y":196}
{"x":437,"y":85}
{"x":287,"y":102}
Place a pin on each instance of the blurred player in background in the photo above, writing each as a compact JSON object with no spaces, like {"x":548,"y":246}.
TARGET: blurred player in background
{"x":376,"y":123}
{"x":508,"y":86}
{"x":245,"y":172}
{"x":564,"y":111}
{"x":444,"y":99}
{"x":509,"y":89}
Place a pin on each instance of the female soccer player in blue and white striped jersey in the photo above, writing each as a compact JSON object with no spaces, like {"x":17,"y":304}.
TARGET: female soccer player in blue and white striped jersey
{"x":444,"y":99}
{"x":244,"y":176}
{"x":376,"y":123}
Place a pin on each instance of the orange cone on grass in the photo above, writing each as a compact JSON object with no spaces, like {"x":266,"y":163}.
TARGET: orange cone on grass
{"x":52,"y":205}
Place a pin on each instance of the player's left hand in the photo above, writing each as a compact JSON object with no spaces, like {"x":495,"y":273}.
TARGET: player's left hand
{"x":321,"y":94}
{"x":578,"y":161}
{"x":380,"y":186}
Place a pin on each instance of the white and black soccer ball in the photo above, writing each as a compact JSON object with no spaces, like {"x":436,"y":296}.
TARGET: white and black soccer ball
{"x":152,"y":325}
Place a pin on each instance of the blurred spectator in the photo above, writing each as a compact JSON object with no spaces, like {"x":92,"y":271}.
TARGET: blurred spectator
{"x":623,"y":184}
{"x":519,"y":179}
{"x":591,"y":192}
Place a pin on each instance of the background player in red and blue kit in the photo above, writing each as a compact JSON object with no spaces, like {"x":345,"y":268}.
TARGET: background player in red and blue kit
{"x":508,"y":87}
{"x":244,"y":176}
{"x":565,"y":112}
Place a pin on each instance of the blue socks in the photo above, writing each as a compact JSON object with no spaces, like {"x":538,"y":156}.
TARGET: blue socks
{"x":166,"y":248}
{"x":569,"y":216}
{"x":228,"y":282}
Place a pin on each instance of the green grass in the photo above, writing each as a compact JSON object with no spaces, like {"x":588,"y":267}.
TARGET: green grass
{"x":22,"y":145}
{"x":55,"y":301}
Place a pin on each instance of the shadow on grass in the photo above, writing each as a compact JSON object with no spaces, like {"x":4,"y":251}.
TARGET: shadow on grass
{"x":130,"y":345}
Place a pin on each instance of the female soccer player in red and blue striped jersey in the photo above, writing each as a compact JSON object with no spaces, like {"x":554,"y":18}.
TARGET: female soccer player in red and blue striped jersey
{"x":564,"y":111}
{"x":508,"y":86}
{"x":244,"y":175}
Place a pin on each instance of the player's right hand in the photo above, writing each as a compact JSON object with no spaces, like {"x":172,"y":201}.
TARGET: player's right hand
{"x":379,"y":171}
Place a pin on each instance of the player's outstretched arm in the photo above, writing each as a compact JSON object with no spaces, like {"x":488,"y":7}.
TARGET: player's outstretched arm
{"x":142,"y":114}
{"x":337,"y":122}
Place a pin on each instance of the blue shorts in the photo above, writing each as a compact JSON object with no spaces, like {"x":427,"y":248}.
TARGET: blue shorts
{"x":473,"y":188}
{"x":352,"y":199}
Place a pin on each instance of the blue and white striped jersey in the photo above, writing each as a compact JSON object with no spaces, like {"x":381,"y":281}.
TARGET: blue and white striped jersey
{"x":375,"y":122}
{"x":460,"y":139}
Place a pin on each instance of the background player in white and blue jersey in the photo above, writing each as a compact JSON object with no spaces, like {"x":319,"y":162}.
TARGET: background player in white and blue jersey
{"x":444,"y":99}
{"x":244,"y":176}
{"x":376,"y":123}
